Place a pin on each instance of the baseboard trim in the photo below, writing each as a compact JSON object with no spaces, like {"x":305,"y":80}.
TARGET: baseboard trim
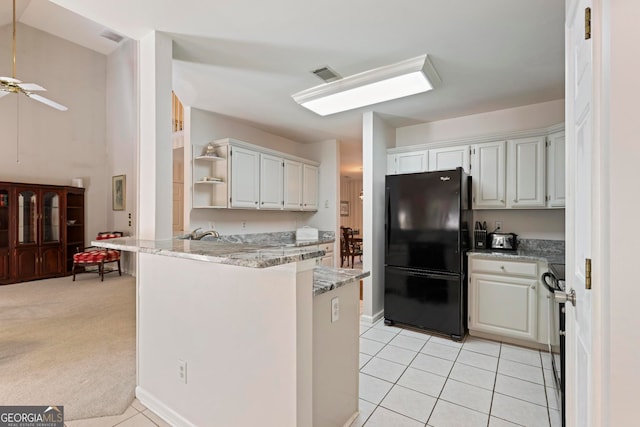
{"x":160,"y":409}
{"x":370,"y":320}
{"x":352,"y":419}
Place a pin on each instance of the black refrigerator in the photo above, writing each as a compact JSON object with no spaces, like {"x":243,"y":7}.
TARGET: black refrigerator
{"x":426,"y":237}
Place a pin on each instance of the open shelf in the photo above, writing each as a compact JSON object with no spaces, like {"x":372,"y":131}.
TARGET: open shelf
{"x":209,"y":182}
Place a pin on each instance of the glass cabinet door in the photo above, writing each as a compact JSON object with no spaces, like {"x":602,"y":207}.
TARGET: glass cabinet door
{"x":50,"y":217}
{"x":4,"y":218}
{"x":27,"y":217}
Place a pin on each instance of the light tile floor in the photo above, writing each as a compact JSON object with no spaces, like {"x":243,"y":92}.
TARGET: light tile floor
{"x":411,"y":378}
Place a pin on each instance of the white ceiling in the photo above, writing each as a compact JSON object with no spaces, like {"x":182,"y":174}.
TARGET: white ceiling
{"x":245,"y":58}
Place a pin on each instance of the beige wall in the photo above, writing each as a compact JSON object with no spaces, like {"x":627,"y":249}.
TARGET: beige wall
{"x":56,"y":146}
{"x":350,"y":192}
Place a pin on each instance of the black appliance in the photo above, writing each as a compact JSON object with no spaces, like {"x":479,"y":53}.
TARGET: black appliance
{"x":554,"y":280}
{"x":427,"y":236}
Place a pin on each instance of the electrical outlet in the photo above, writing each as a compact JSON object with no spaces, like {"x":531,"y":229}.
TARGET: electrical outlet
{"x":498,"y":225}
{"x":335,"y":309}
{"x":182,"y":371}
{"x":244,"y":225}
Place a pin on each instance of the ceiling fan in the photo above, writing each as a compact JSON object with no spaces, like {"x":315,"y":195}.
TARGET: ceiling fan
{"x":12,"y":85}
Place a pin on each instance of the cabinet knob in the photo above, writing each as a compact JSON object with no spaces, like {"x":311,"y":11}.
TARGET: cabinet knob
{"x":515,"y":200}
{"x":533,"y":286}
{"x":502,"y":267}
{"x":255,"y":203}
{"x":502,"y":200}
{"x":263,"y":203}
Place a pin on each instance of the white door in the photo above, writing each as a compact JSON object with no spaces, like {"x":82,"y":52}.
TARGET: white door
{"x":292,"y":185}
{"x":488,"y":172}
{"x":446,"y":158}
{"x":271,"y":182}
{"x":526,"y":173}
{"x":245,"y":173}
{"x":583,"y":187}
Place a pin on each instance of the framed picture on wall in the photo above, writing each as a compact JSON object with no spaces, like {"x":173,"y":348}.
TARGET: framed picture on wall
{"x":119,"y":192}
{"x":344,"y":208}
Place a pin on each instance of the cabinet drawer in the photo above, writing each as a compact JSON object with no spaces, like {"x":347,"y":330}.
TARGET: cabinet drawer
{"x":327,"y":247}
{"x":499,"y":266}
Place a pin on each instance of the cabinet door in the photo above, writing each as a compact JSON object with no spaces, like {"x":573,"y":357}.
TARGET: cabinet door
{"x":26,"y":262}
{"x":292,"y":185}
{"x":309,"y":188}
{"x":503,"y":305}
{"x":27,"y":224}
{"x":526,"y":173}
{"x":51,"y":216}
{"x":271,"y":182}
{"x":5,"y":272}
{"x":245,"y":173}
{"x":413,"y":162}
{"x":327,"y":260}
{"x":555,"y":170}
{"x":488,"y":175}
{"x":441,"y":159}
{"x":5,"y":219}
{"x":50,"y":262}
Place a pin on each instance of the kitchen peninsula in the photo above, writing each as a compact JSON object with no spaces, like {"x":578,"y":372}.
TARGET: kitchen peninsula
{"x":244,"y":334}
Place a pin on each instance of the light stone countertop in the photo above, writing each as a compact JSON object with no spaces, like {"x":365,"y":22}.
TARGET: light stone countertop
{"x":326,"y":279}
{"x":240,"y":254}
{"x":520,"y":254}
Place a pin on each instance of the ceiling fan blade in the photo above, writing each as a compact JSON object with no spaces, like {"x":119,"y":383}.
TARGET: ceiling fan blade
{"x":47,"y":101}
{"x":9,"y":80}
{"x":30,"y":87}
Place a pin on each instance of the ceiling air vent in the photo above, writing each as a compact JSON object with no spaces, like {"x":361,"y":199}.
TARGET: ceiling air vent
{"x":327,"y":74}
{"x":107,"y":34}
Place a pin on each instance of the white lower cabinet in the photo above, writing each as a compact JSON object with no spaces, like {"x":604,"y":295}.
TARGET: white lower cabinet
{"x":504,"y":299}
{"x":327,"y":259}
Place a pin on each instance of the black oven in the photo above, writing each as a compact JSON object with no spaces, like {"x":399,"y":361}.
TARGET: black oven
{"x":554,"y":280}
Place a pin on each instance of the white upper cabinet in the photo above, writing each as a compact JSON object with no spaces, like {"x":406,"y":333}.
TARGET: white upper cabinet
{"x":271,"y":182}
{"x":526,"y":173}
{"x":245,"y":174}
{"x":555,"y":170}
{"x":446,"y":158}
{"x":292,"y":185}
{"x":391,"y":164}
{"x":309,"y":188}
{"x":488,"y":171}
{"x":415,"y":161}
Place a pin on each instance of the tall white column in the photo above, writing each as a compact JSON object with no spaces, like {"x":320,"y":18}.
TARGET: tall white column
{"x":155,"y":151}
{"x":377,"y":136}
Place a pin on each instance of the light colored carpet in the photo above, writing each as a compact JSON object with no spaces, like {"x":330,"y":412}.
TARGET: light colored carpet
{"x":69,"y":343}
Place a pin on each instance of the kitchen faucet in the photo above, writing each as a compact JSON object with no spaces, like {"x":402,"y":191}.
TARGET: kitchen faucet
{"x":198,"y":236}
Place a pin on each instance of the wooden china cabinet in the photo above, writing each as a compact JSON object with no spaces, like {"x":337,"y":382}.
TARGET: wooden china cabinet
{"x":35,"y":230}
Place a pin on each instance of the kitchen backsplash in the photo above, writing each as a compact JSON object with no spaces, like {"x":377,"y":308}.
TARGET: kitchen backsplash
{"x":541,"y":245}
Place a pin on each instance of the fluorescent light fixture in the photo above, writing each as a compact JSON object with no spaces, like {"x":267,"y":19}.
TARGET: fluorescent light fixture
{"x":409,"y":77}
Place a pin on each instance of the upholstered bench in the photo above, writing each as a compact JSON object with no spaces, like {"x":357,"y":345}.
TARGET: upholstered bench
{"x":95,"y":256}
